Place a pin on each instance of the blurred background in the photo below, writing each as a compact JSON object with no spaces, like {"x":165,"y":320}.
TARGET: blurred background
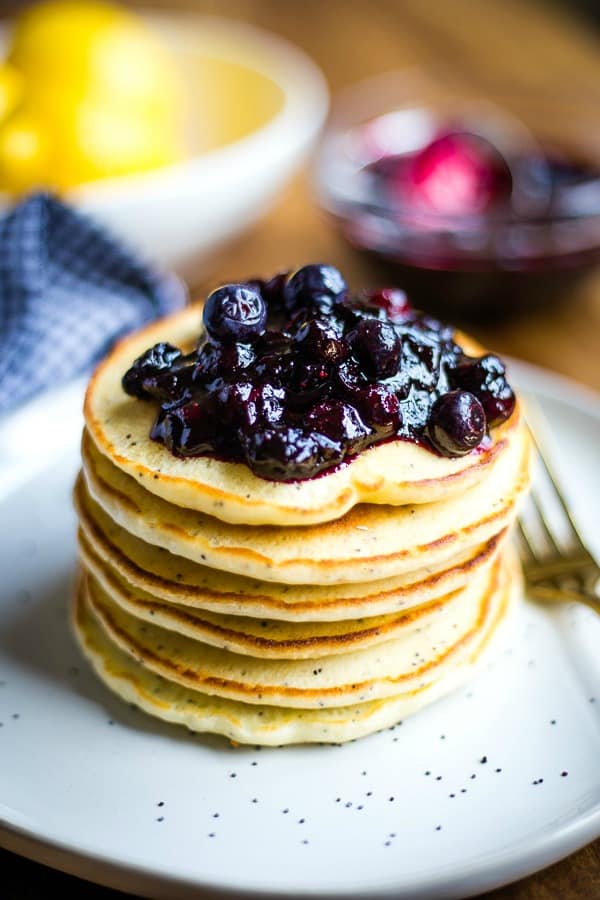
{"x":200,"y":141}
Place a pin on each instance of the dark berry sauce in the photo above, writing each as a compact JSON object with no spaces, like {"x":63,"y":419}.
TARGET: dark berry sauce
{"x":467,"y":227}
{"x":296,"y":375}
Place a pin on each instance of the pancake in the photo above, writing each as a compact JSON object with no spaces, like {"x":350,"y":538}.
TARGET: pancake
{"x":174,"y":579}
{"x":395,"y":473}
{"x":370,"y":542}
{"x":260,"y":724}
{"x":405,"y":663}
{"x":263,"y":638}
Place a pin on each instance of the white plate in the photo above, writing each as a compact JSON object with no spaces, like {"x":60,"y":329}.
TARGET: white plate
{"x":468,"y":795}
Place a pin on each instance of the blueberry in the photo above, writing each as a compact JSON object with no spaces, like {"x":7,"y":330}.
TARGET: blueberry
{"x":377,"y":347}
{"x":486,"y":378}
{"x":236,"y":357}
{"x":340,"y":423}
{"x":247,"y":405}
{"x":308,"y":382}
{"x":273,"y":343}
{"x":354,"y":309}
{"x":456,"y":423}
{"x":235,"y":312}
{"x":273,"y":291}
{"x":156,"y":360}
{"x":350,"y":376}
{"x":273,"y":358}
{"x":215,"y":360}
{"x":379,"y":408}
{"x":315,"y":285}
{"x":234,"y":403}
{"x":208,"y":364}
{"x":498,"y":407}
{"x":283,"y":454}
{"x":169,"y":384}
{"x":304,"y":316}
{"x":188,"y":427}
{"x":319,"y":341}
{"x":479,"y":374}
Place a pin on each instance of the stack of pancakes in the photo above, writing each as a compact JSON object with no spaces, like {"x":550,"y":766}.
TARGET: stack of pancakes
{"x":276,"y":613}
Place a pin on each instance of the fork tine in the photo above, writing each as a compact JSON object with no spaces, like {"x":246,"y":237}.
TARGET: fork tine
{"x":559,"y":496}
{"x":537,"y":505}
{"x":538,"y":427}
{"x":525,"y":542}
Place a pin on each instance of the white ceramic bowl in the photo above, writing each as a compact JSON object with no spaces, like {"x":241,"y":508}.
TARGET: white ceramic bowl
{"x":180,"y":214}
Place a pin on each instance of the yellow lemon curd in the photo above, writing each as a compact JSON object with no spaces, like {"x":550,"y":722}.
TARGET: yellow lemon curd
{"x":86,"y":91}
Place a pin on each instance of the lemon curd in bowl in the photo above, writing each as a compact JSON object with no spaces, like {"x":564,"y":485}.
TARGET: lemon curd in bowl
{"x":253,"y":105}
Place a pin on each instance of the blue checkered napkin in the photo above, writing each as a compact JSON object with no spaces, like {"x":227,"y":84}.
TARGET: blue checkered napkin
{"x":68,"y":290}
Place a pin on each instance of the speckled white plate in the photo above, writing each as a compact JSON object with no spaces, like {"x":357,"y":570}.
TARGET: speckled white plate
{"x":483,"y":788}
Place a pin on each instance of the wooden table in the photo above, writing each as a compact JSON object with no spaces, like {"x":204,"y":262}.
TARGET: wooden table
{"x":499,"y":41}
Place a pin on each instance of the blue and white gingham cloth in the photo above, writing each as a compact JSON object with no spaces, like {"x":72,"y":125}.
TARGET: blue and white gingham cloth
{"x":68,"y":290}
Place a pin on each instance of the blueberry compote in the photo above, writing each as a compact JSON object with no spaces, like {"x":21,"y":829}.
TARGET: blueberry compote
{"x":294,"y":375}
{"x":471,"y":225}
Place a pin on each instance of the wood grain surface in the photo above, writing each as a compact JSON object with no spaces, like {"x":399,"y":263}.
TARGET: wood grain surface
{"x":491,"y":42}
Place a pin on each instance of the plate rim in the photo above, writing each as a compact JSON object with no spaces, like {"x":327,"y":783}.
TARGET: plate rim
{"x":463,"y":880}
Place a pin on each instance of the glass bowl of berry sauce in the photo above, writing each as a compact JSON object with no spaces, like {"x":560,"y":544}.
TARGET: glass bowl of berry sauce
{"x":476,"y":205}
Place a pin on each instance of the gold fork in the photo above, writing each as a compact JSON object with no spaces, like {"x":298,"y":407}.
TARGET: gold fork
{"x":556,"y":563}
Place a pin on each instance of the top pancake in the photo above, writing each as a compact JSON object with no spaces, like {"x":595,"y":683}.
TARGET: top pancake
{"x":395,"y":473}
